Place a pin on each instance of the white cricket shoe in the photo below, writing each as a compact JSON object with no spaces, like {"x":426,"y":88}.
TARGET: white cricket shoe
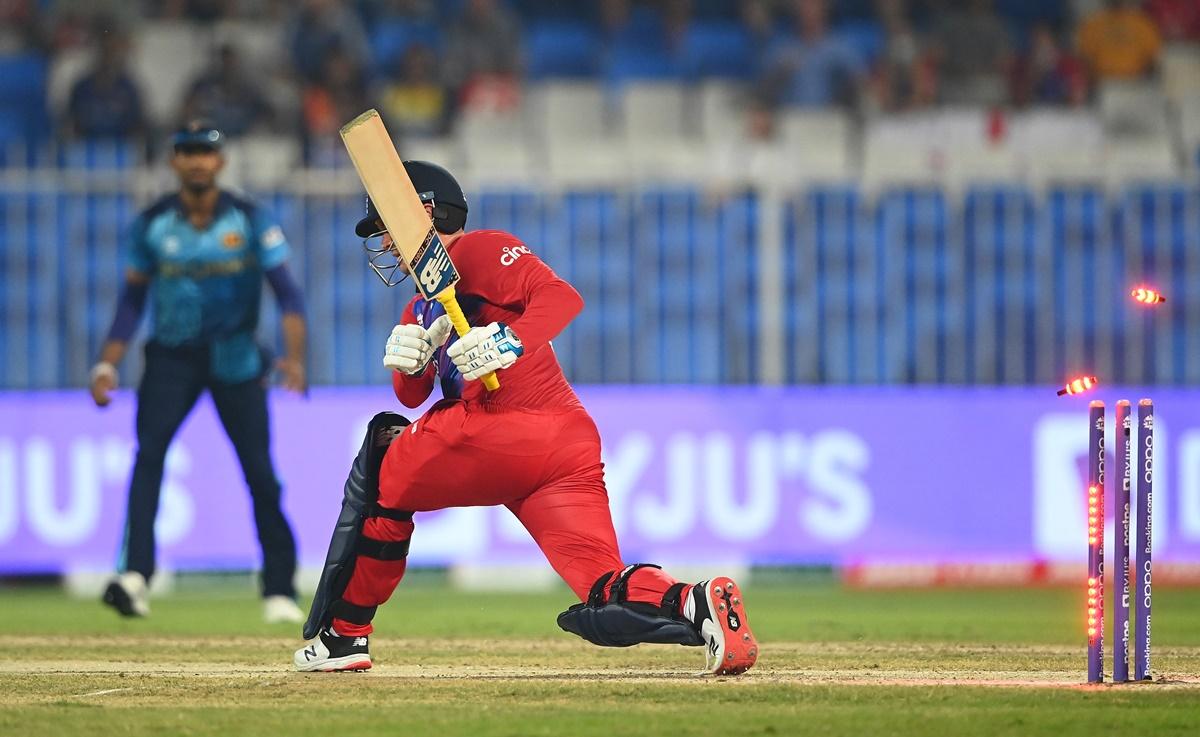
{"x":278,"y":608}
{"x":128,"y":594}
{"x":716,"y":609}
{"x":332,"y":652}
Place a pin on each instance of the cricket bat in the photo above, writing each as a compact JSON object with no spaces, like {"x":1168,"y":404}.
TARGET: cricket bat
{"x":382,"y":173}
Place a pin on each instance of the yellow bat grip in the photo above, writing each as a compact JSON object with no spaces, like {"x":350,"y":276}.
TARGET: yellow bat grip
{"x":461,"y":326}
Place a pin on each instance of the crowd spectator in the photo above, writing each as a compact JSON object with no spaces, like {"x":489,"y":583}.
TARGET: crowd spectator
{"x":323,"y":28}
{"x":70,"y":24}
{"x":1178,"y":20}
{"x":412,"y":100}
{"x":106,"y":101}
{"x":483,"y":54}
{"x":16,"y":26}
{"x":973,"y":53}
{"x":677,"y":17}
{"x":905,"y":78}
{"x":756,"y":18}
{"x":1048,"y":74}
{"x":614,"y":18}
{"x":812,"y":67}
{"x":338,"y":95}
{"x":227,"y":96}
{"x":1119,"y":41}
{"x":202,"y":11}
{"x":375,"y":11}
{"x":952,"y":51}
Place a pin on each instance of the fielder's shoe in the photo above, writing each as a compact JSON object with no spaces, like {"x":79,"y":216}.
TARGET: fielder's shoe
{"x":717,"y":610}
{"x":128,"y":594}
{"x":332,"y":652}
{"x":278,"y":609}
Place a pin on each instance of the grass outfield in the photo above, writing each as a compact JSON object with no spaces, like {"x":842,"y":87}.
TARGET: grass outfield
{"x":833,"y":662}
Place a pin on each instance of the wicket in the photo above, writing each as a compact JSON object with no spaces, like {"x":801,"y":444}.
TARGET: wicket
{"x":1126,"y":451}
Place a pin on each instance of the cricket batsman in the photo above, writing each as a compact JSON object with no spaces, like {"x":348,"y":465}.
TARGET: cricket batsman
{"x":530,"y":445}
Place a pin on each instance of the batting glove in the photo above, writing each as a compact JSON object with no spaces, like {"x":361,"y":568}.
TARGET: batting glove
{"x":484,"y":350}
{"x":410,"y":347}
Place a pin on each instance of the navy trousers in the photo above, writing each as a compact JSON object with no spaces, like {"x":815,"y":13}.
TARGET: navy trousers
{"x":173,"y":380}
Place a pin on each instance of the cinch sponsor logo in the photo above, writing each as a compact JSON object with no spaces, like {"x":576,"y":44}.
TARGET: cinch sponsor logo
{"x":509,"y":255}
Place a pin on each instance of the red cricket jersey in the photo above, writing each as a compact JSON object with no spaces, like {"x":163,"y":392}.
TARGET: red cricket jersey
{"x":502,"y":280}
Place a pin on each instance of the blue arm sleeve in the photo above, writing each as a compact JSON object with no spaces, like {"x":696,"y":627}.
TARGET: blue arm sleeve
{"x":139,"y":256}
{"x":129,"y":311}
{"x":273,"y":248}
{"x":287,"y":291}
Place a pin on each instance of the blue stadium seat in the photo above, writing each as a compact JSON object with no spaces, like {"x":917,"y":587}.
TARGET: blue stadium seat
{"x":391,"y":38}
{"x":645,"y":27}
{"x":12,"y":128}
{"x":562,"y":49}
{"x":23,"y":98}
{"x":716,"y":49}
{"x":866,"y":37}
{"x":22,"y":76}
{"x":627,"y":62}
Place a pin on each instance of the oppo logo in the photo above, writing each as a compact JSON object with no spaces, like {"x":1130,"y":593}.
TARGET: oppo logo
{"x":1148,"y":459}
{"x":509,"y":255}
{"x":1146,"y":584}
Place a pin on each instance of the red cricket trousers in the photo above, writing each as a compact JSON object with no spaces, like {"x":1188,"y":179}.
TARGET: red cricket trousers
{"x":544,"y":466}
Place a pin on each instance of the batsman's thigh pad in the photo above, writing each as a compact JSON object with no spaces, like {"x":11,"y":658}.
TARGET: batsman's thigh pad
{"x":359,"y":502}
{"x":614,"y":621}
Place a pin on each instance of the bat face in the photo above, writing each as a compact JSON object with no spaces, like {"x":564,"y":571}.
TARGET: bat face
{"x":400,"y":207}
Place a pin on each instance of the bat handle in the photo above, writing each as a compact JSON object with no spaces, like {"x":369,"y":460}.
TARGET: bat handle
{"x":461,"y":326}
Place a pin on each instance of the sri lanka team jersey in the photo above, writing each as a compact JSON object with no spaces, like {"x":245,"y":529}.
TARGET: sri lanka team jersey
{"x":207,"y":284}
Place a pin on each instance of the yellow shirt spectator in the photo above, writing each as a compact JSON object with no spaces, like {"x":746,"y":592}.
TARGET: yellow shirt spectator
{"x":1119,"y":43}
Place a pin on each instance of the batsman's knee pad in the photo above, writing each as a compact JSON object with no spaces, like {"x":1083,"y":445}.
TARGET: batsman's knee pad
{"x":614,"y":621}
{"x":359,"y":502}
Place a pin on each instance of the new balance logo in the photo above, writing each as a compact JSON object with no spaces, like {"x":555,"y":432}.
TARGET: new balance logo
{"x":310,"y":652}
{"x":431,"y":266}
{"x":360,"y":642}
{"x":713,"y":647}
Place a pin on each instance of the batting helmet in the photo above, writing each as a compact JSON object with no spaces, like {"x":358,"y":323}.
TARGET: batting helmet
{"x":434,"y":184}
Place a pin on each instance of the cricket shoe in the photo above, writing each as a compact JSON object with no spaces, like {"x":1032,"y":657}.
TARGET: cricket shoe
{"x":718,"y":612}
{"x":128,"y":594}
{"x":278,"y":609}
{"x":332,"y":652}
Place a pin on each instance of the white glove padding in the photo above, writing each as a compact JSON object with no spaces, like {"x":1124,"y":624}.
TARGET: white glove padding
{"x":484,"y":350}
{"x":410,"y":347}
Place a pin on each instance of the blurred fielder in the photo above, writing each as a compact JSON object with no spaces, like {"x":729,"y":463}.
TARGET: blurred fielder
{"x":201,"y":254}
{"x":530,"y":445}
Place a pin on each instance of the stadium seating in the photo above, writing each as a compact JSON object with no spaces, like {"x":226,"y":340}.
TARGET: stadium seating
{"x":718,"y":49}
{"x":1132,"y":110}
{"x":1181,"y":72}
{"x":22,"y":99}
{"x":167,"y":56}
{"x":555,"y":49}
{"x":390,"y":38}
